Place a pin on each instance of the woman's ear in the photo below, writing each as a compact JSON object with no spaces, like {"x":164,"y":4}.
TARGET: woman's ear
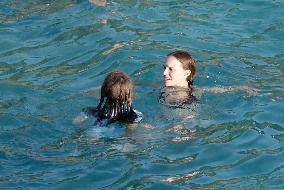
{"x":187,"y":73}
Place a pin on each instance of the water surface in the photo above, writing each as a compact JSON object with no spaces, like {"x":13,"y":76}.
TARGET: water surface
{"x":55,"y":54}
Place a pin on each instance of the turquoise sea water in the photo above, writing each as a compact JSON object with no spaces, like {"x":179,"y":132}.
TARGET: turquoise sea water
{"x":55,"y":54}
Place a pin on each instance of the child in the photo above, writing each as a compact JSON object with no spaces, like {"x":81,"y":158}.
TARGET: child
{"x":116,"y":101}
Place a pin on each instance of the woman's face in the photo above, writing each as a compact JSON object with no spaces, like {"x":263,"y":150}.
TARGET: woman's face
{"x":174,"y":74}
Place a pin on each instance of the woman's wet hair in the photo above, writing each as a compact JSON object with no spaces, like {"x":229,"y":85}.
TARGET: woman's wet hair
{"x":187,"y":61}
{"x":116,"y":97}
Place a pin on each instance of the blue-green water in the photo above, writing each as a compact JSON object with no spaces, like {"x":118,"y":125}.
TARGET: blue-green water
{"x":55,"y":54}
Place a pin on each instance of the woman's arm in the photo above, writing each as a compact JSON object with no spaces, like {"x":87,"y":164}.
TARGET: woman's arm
{"x":218,"y":89}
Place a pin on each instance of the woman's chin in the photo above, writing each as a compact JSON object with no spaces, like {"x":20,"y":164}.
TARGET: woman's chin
{"x":171,"y":84}
{"x":168,"y":83}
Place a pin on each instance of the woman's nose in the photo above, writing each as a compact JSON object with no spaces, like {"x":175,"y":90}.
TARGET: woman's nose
{"x":166,"y":71}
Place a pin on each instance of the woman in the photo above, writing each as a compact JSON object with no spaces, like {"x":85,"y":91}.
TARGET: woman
{"x":179,"y":70}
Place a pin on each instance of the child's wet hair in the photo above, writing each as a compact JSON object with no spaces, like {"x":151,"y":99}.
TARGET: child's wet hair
{"x":117,"y":87}
{"x":116,"y":97}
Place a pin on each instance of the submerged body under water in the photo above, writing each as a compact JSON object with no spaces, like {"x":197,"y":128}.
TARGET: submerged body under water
{"x":178,"y":103}
{"x":54,"y":56}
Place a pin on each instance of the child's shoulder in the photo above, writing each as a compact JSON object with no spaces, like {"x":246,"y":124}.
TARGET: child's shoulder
{"x":138,"y":116}
{"x":90,"y":111}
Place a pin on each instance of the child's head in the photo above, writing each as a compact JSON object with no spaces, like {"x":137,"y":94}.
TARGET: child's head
{"x":117,"y":87}
{"x":116,"y":96}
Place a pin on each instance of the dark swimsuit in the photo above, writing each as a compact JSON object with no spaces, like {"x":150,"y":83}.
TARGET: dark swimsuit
{"x":174,"y":101}
{"x":131,"y":116}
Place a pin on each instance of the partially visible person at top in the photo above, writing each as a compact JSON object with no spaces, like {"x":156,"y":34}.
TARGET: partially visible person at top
{"x":102,"y":3}
{"x":115,"y":102}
